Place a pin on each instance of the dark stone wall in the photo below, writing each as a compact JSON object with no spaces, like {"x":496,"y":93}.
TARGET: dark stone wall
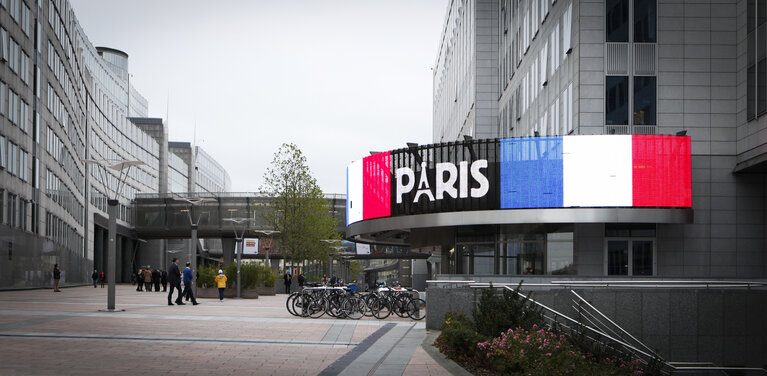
{"x":724,"y":326}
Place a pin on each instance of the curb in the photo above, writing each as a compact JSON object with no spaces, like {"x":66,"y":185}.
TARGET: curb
{"x":441,"y":359}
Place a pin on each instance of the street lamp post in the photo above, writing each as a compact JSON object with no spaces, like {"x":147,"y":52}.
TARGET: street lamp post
{"x":337,"y":247}
{"x":267,"y":233}
{"x":239,"y":237}
{"x":123,"y":167}
{"x":194,"y":224}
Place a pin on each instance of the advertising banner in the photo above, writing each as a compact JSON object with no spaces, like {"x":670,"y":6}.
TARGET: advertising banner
{"x":250,"y":246}
{"x":363,"y":249}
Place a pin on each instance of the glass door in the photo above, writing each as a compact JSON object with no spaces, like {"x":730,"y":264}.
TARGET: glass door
{"x":630,"y":257}
{"x":617,"y":257}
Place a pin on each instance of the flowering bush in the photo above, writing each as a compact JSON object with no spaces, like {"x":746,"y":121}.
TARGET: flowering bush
{"x":540,"y":352}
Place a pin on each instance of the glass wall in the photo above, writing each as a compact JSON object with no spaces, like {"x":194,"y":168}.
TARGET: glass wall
{"x":514,"y":250}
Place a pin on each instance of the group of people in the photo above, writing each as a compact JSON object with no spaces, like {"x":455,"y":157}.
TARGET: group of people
{"x":288,"y":280}
{"x":98,"y":277}
{"x":145,"y":277}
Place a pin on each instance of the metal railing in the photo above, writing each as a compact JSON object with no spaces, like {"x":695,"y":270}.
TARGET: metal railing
{"x":602,"y":331}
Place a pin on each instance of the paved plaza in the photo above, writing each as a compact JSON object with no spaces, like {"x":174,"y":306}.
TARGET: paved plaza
{"x":64,"y":333}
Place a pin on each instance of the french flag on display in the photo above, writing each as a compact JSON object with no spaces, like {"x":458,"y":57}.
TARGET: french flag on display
{"x":368,"y":188}
{"x":595,"y":171}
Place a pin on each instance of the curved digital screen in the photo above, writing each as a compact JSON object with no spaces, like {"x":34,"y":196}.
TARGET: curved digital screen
{"x":521,"y":173}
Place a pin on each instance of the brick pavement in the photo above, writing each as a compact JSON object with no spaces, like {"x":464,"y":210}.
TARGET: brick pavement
{"x":46,"y":333}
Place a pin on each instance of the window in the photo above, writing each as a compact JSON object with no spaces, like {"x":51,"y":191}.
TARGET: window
{"x":13,"y":56}
{"x":11,"y":216}
{"x":567,"y":22}
{"x":3,"y":45}
{"x":3,"y":161}
{"x":617,"y":21}
{"x":645,"y":16}
{"x":644,"y":100}
{"x":616,"y":100}
{"x":3,"y":99}
{"x":23,"y":164}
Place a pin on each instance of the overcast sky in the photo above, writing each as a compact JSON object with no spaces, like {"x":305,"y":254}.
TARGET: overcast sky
{"x":337,"y":78}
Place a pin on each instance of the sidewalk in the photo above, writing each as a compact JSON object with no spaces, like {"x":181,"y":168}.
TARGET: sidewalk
{"x":47,"y":333}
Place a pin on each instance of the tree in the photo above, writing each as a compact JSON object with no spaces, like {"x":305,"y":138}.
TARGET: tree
{"x":298,"y":208}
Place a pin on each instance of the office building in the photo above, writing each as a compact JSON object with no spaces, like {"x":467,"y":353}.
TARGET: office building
{"x":64,"y":101}
{"x":593,"y":140}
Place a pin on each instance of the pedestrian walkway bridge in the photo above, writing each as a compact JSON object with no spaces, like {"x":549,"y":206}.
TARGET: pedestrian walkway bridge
{"x":171,"y":215}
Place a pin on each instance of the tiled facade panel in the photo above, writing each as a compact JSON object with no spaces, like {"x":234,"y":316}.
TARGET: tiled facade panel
{"x":486,"y":44}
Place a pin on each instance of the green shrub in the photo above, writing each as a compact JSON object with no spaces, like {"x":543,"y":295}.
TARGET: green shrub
{"x":497,"y":313}
{"x":252,"y":276}
{"x":206,"y":276}
{"x":459,"y":339}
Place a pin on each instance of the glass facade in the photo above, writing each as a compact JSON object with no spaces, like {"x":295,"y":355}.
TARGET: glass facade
{"x":513,"y":251}
{"x":62,"y":101}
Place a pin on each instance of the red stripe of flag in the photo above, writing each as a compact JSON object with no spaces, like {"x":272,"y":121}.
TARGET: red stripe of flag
{"x":376,"y":185}
{"x":661,"y":171}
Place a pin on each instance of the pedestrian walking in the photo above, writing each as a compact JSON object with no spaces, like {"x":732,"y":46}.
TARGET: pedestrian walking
{"x":174,"y":277}
{"x":140,"y":279}
{"x":221,"y":283}
{"x":188,"y":278}
{"x":148,"y":279}
{"x":164,"y":280}
{"x":56,"y":278}
{"x":156,"y":279}
{"x":95,"y":277}
{"x":288,"y":281}
{"x":102,"y":279}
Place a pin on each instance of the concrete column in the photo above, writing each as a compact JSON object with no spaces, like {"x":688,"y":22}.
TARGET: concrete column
{"x":228,"y":245}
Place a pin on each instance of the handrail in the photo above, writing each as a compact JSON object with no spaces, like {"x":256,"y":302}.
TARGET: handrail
{"x":624,"y":344}
{"x":633,"y":284}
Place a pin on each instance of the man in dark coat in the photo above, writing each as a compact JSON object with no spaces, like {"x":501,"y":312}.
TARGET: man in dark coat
{"x":156,"y":279}
{"x":174,"y":277}
{"x":56,"y":278}
{"x":288,"y":281}
{"x":164,"y":280}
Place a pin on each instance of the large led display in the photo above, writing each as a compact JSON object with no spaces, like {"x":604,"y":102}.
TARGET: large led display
{"x":521,"y":173}
{"x":368,"y":188}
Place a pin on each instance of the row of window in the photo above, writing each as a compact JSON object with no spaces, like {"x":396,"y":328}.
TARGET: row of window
{"x":15,"y":210}
{"x":454,"y":67}
{"x":19,"y":12}
{"x":62,"y":76}
{"x":56,"y":149}
{"x":17,"y":59}
{"x":57,"y":191}
{"x":62,"y":233}
{"x":13,"y":107}
{"x":618,"y":27}
{"x":756,"y":87}
{"x":99,"y":200}
{"x":14,"y":159}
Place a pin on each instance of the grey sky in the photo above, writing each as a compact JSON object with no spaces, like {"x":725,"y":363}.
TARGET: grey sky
{"x":337,"y":78}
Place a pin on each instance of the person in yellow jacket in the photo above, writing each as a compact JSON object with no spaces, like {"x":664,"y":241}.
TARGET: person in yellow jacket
{"x":221,"y":283}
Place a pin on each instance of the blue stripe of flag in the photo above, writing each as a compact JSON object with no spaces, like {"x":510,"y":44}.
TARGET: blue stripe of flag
{"x":531,"y":173}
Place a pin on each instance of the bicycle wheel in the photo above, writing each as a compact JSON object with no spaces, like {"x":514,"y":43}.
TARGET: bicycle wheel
{"x":317,"y":307}
{"x":381,"y":308}
{"x":416,"y":309}
{"x":353,"y":308}
{"x":300,"y":305}
{"x":289,"y":303}
{"x":399,"y":306}
{"x":369,"y":299}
